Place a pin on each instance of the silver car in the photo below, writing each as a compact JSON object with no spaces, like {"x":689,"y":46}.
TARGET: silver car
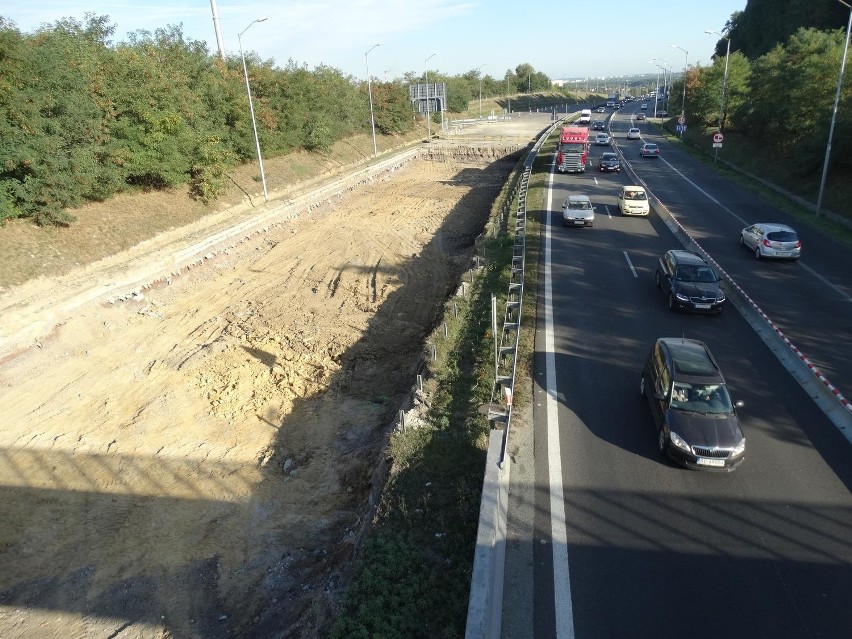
{"x":577,"y":210}
{"x":767,"y":239}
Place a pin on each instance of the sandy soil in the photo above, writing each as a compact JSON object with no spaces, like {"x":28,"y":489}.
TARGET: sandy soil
{"x":198,"y":461}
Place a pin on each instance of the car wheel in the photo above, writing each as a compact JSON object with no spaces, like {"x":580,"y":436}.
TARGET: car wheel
{"x":657,"y":279}
{"x":642,"y":386}
{"x":672,"y":302}
{"x":662,"y":440}
{"x":742,"y":241}
{"x":757,"y":254}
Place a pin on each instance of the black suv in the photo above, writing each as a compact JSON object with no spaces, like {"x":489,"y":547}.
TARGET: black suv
{"x":689,"y":282}
{"x":696,"y":421}
{"x":598,"y":125}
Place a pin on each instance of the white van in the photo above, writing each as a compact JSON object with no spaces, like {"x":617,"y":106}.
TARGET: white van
{"x":632,"y":200}
{"x":585,"y":116}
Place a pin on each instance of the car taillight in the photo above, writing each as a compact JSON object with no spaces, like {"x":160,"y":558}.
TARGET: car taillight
{"x":798,"y":244}
{"x":767,"y":243}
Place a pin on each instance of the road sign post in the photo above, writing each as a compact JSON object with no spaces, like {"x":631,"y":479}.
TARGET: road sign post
{"x":717,"y":144}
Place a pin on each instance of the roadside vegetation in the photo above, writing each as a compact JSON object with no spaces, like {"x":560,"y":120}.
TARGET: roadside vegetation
{"x":779,"y":97}
{"x":83,"y":120}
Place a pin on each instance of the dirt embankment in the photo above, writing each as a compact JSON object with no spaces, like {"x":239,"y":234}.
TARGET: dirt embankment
{"x":196,"y":462}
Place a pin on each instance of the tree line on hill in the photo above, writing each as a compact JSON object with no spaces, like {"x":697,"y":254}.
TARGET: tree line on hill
{"x":82,"y":119}
{"x":782,"y":78}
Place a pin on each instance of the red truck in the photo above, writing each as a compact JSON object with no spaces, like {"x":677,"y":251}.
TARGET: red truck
{"x":572,"y":149}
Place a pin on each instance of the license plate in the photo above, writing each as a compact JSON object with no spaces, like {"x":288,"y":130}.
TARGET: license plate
{"x":580,"y":222}
{"x":706,"y":461}
{"x":702,"y":306}
{"x":782,"y":253}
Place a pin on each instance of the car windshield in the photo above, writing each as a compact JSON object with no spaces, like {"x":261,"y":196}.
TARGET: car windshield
{"x":634,"y":195}
{"x":701,"y":398}
{"x":579,"y":205}
{"x":782,"y":236}
{"x":608,"y":156}
{"x":574,"y":148}
{"x":692,"y":273}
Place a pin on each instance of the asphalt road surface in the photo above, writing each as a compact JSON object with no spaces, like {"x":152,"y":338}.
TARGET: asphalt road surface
{"x":607,"y":538}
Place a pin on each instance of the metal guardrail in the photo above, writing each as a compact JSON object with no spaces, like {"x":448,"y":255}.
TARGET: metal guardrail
{"x":506,"y":347}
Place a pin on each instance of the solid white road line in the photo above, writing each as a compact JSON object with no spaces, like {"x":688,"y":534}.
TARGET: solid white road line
{"x":558,"y":525}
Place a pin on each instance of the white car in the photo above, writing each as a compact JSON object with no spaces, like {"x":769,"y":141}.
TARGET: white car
{"x":577,"y":210}
{"x":602,"y":139}
{"x":772,"y":240}
{"x":634,"y":134}
{"x":633,"y":200}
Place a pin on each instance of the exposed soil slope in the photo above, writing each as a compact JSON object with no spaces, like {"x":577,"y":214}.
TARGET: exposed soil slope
{"x":196,"y":462}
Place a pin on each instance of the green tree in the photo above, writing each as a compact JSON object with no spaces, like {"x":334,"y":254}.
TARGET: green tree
{"x":392,"y":108}
{"x":459,"y":94}
{"x":154,"y":119}
{"x":763,"y":24}
{"x":737,"y":90}
{"x":55,"y":149}
{"x":803,"y":71}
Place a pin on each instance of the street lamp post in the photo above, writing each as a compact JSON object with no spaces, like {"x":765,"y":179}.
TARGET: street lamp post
{"x":479,"y":68}
{"x":656,"y":86}
{"x":834,"y":111}
{"x":370,"y":94}
{"x":428,"y":123}
{"x":251,"y":107}
{"x":724,"y":79}
{"x":685,"y":67}
{"x":662,"y":64}
{"x":667,"y":70}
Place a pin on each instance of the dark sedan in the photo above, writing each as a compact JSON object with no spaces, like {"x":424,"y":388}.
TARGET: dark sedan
{"x":696,"y":421}
{"x":609,"y":162}
{"x":689,"y":282}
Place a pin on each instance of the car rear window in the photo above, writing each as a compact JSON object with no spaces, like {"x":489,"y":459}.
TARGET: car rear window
{"x":782,"y":236}
{"x":689,"y":362}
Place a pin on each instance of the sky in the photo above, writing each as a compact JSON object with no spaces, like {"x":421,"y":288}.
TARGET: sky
{"x":565,"y":39}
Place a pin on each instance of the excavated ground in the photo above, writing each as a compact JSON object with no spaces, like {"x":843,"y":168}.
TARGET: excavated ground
{"x":196,"y":461}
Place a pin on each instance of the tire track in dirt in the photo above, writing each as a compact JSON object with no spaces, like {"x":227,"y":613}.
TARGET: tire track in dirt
{"x":207,"y":451}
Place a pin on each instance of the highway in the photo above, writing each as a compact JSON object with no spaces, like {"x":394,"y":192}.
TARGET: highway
{"x":608,"y":539}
